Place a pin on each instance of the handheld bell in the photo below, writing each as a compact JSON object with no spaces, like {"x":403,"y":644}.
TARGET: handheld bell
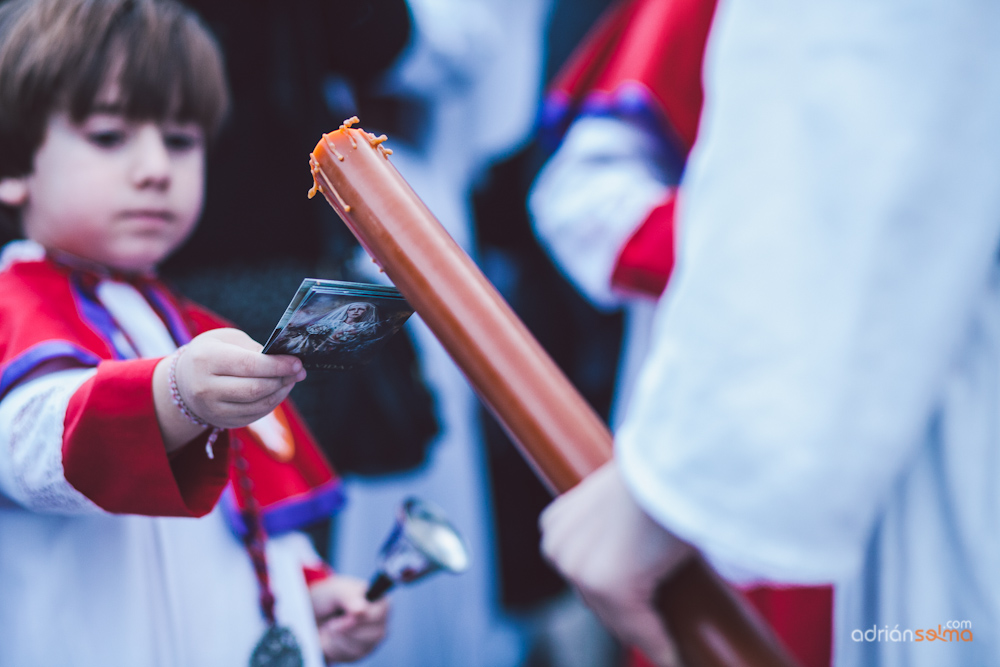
{"x":422,"y":542}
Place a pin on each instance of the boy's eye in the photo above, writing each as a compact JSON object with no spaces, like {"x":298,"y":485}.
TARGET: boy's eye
{"x":107,"y":138}
{"x":180,"y":141}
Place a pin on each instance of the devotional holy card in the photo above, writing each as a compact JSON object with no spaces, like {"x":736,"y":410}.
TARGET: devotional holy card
{"x":335,"y":325}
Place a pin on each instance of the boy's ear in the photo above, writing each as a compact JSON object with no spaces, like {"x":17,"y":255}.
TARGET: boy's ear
{"x":13,"y":192}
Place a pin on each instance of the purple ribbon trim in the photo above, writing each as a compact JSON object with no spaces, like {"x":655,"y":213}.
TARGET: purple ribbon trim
{"x":176,"y":324}
{"x":630,"y":101}
{"x":34,"y":356}
{"x":97,"y":317}
{"x":289,"y":514}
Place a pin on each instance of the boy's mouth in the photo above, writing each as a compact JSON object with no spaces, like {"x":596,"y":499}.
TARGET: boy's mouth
{"x":147,"y":215}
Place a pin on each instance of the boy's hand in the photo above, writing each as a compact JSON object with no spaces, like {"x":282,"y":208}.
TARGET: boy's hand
{"x":224,"y":379}
{"x":350,"y":627}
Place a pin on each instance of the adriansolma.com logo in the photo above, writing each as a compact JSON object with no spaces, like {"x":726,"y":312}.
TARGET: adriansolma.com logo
{"x":952,"y":631}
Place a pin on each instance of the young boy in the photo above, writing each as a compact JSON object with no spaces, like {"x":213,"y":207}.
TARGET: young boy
{"x":122,"y":407}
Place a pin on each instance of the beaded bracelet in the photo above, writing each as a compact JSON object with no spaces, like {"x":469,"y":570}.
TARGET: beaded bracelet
{"x":175,"y":395}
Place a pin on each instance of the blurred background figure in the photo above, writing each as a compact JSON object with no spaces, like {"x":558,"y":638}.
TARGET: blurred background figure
{"x":464,"y":94}
{"x":557,"y":628}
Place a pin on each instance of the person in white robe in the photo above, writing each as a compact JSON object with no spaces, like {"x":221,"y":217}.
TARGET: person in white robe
{"x":820,"y":398}
{"x":168,"y":590}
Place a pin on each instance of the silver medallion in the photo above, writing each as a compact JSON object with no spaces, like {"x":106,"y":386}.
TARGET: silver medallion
{"x":277,"y":648}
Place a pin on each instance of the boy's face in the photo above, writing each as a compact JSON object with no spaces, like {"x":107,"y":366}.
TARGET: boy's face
{"x":117,"y":192}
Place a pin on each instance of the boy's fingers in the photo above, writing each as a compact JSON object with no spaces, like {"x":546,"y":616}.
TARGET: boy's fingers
{"x":355,"y":606}
{"x":244,"y":363}
{"x":380,"y":610}
{"x":259,"y":407}
{"x":352,"y":640}
{"x":234,"y":415}
{"x":248,"y":390}
{"x":341,"y":648}
{"x":340,"y":625}
{"x":374,"y":613}
{"x":235,"y":337}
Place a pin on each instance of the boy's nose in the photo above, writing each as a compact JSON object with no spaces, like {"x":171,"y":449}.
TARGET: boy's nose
{"x":151,"y":162}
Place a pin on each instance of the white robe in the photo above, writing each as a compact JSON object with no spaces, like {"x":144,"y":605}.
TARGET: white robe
{"x":80,"y":586}
{"x":820,"y":402}
{"x":821,"y":398}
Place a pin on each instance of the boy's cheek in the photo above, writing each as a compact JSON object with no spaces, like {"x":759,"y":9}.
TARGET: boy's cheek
{"x":189,"y":188}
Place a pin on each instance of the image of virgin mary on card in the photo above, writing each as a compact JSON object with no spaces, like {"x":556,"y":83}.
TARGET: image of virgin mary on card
{"x":339,"y":331}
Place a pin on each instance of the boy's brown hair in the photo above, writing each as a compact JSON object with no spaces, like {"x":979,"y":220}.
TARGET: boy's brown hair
{"x":55,"y":55}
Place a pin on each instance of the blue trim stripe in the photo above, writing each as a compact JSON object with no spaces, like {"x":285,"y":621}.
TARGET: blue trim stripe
{"x":97,"y":317}
{"x":631,"y":101}
{"x":34,"y":356}
{"x":178,"y":328}
{"x":554,"y":118}
{"x":292,"y":513}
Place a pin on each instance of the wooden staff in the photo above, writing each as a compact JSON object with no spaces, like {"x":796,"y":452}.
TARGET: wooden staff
{"x":556,"y":430}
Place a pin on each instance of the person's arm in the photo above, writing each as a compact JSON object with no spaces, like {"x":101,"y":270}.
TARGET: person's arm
{"x":84,"y":441}
{"x":608,"y":180}
{"x":31,"y":429}
{"x":111,"y":438}
{"x":834,"y":242}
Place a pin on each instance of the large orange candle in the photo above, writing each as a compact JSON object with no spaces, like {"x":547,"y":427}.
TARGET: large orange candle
{"x":554,"y":427}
